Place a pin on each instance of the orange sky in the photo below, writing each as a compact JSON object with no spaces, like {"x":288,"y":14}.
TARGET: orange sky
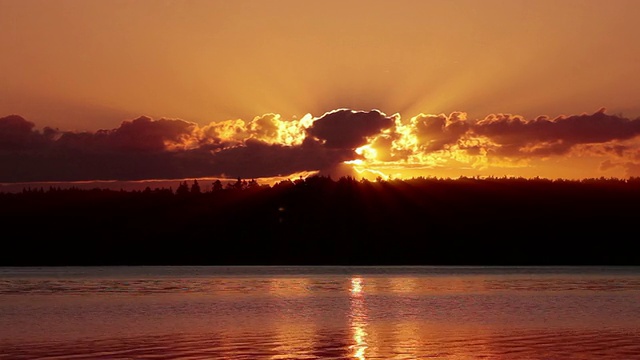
{"x":82,"y":66}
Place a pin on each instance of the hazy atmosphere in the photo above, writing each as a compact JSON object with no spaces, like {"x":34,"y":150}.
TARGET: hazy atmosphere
{"x":167,"y":89}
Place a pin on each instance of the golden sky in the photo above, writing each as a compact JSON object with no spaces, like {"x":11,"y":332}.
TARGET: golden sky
{"x":449,"y":76}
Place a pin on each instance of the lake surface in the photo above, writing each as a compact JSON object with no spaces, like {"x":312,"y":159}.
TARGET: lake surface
{"x":320,"y":313}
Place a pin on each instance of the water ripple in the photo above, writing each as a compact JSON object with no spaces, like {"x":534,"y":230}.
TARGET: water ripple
{"x":529,"y":344}
{"x":303,"y":286}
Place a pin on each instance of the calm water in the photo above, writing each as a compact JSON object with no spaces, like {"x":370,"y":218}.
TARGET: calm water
{"x":320,"y":313}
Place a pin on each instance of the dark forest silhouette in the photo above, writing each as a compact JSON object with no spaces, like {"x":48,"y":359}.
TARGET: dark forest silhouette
{"x":319,"y":220}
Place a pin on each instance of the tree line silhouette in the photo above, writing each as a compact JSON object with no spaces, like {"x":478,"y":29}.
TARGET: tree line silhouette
{"x":322,"y":221}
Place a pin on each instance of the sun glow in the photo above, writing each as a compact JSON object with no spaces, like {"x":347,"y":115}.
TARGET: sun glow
{"x":355,"y":162}
{"x":438,"y":145}
{"x":367,"y":151}
{"x":268,"y":128}
{"x":432,"y":143}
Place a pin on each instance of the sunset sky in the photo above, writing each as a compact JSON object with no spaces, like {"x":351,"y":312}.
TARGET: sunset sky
{"x":147,"y":89}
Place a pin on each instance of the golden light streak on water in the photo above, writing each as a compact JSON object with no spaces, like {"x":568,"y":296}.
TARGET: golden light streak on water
{"x":358,"y":319}
{"x":356,"y":285}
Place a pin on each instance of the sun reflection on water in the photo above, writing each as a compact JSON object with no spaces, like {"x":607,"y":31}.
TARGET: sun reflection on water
{"x":358,"y":319}
{"x":356,"y":285}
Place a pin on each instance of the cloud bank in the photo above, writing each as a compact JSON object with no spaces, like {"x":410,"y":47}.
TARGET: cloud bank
{"x":269,"y":145}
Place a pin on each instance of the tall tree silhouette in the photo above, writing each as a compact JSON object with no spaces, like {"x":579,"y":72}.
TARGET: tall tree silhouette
{"x":183,"y":189}
{"x":217,"y":185}
{"x":195,"y":187}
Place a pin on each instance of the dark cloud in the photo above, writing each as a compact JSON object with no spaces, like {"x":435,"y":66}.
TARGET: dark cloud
{"x":434,"y":132}
{"x":140,"y":135}
{"x":543,"y":136}
{"x":144,"y":148}
{"x":145,"y":134}
{"x":152,"y":149}
{"x":138,"y":149}
{"x":16,"y":133}
{"x":259,"y":159}
{"x":348,"y":129}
